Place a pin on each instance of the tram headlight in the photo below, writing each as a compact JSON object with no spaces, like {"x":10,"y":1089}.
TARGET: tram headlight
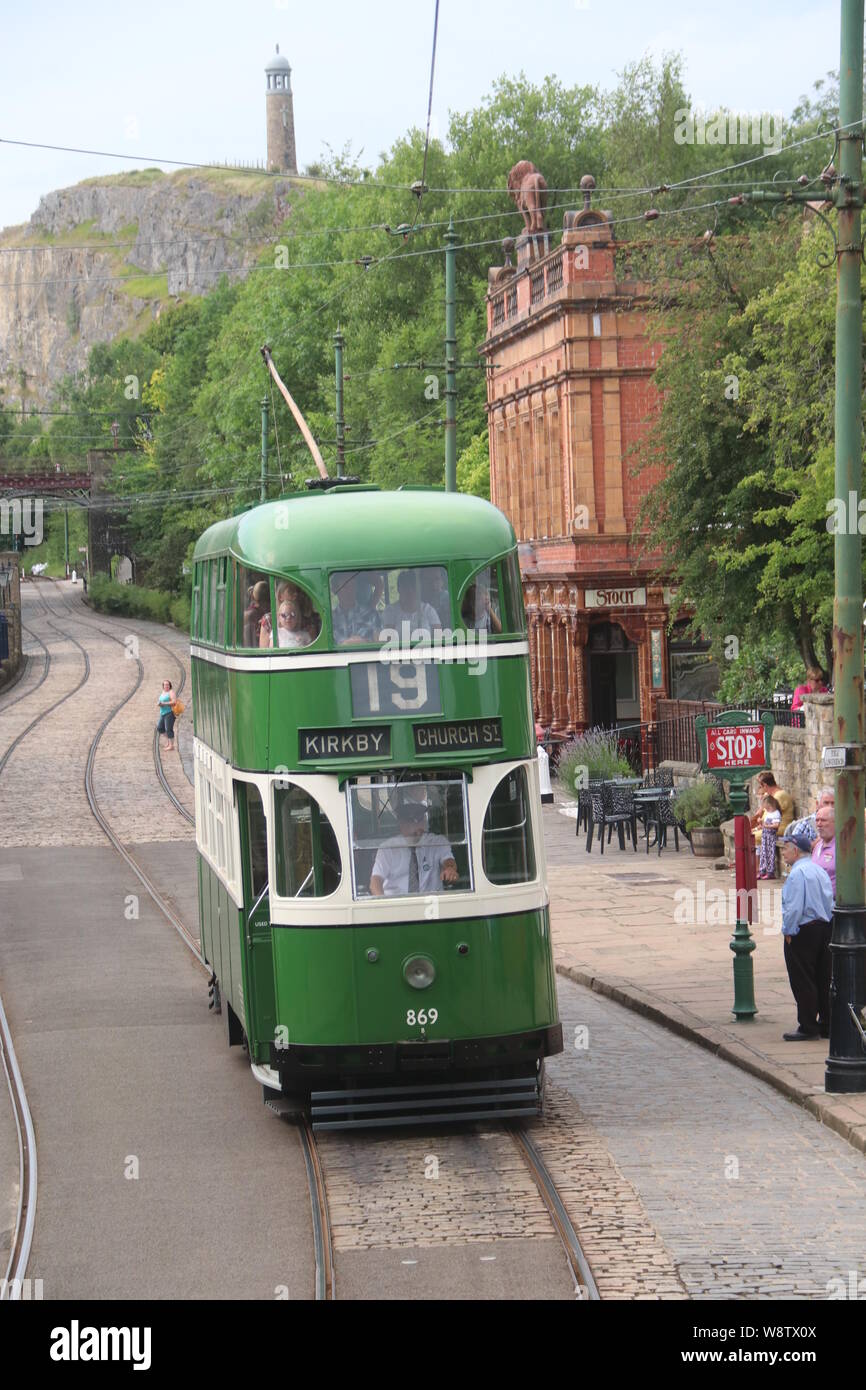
{"x":419,"y":972}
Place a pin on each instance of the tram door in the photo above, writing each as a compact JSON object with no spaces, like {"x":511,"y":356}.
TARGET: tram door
{"x":261,"y":1006}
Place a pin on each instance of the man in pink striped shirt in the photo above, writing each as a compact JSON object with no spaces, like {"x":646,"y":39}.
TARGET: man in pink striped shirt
{"x":824,"y":848}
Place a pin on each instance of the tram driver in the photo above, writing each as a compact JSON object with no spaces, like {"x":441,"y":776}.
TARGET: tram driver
{"x":415,"y":860}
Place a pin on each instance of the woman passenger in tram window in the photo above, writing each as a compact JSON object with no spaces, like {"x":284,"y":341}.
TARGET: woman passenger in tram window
{"x":296,"y":624}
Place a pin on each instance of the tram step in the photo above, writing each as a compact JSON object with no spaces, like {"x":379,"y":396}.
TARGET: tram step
{"x":376,"y":1107}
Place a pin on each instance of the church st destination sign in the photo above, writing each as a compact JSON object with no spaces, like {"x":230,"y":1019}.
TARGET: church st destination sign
{"x":458,"y":734}
{"x":734,"y":747}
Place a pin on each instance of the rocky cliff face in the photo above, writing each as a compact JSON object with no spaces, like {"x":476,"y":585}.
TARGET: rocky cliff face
{"x":105,"y":257}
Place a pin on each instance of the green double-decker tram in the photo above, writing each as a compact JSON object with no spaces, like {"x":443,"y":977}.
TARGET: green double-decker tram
{"x":372,"y":888}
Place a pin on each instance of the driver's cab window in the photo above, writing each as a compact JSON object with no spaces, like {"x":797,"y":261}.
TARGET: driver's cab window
{"x":409,"y":838}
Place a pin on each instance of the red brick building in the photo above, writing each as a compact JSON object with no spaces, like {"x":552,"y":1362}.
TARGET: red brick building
{"x":570,"y":390}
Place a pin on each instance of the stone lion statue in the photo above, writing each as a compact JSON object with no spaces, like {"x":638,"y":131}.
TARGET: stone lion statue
{"x":529,"y":191}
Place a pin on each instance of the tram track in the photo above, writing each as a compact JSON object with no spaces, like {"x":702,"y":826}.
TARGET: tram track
{"x":157,"y":754}
{"x":46,"y":666}
{"x":25,"y":1221}
{"x":325,"y":1278}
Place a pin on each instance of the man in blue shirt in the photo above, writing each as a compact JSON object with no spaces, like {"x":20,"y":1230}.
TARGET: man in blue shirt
{"x":807,"y":912}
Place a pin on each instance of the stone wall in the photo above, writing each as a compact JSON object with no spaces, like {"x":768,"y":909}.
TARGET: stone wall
{"x":795,"y":754}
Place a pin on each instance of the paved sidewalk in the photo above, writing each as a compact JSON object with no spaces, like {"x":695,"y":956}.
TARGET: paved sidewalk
{"x":653,"y":931}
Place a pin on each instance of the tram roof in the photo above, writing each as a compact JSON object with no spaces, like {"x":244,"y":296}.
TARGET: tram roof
{"x":356,"y":528}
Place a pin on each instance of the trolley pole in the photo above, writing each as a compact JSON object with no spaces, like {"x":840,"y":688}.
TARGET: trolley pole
{"x":341,"y":421}
{"x":263,"y":491}
{"x":846,"y":1065}
{"x":451,"y":358}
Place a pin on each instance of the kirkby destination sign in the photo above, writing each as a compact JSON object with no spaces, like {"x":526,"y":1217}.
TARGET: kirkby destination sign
{"x":317,"y":744}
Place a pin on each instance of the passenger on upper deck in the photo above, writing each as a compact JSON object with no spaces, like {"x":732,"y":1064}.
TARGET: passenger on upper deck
{"x":357,"y":619}
{"x":415,"y":861}
{"x":477,"y":610}
{"x":420,"y":616}
{"x":297,"y":625}
{"x":258,"y":607}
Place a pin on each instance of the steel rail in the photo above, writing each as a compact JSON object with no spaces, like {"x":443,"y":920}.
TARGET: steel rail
{"x":326,"y":1288}
{"x":325,"y":1283}
{"x":584,"y":1281}
{"x":25,"y":1220}
{"x":157,"y":752}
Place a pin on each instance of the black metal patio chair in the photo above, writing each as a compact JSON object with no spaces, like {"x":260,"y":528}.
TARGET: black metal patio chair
{"x":612,"y":806}
{"x":662,"y":816}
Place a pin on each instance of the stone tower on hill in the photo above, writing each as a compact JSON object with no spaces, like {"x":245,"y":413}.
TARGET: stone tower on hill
{"x":281,"y":119}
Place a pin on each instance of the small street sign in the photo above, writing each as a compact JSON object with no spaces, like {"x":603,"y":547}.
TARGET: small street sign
{"x":832,"y":757}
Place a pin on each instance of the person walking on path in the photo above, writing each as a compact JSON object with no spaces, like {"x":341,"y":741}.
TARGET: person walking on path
{"x":824,"y":848}
{"x":807,"y":911}
{"x":165,"y":724}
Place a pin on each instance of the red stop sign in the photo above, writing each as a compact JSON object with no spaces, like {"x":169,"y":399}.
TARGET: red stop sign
{"x":736,"y":745}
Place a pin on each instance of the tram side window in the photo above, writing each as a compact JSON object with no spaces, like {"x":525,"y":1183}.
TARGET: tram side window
{"x":516,"y":621}
{"x":220,"y":634}
{"x":212,"y":605}
{"x":195,"y":621}
{"x":409,"y":838}
{"x":253,"y":600}
{"x":481,"y":608}
{"x":307,"y":853}
{"x":507,"y":852}
{"x":257,"y":835}
{"x":298,"y":622}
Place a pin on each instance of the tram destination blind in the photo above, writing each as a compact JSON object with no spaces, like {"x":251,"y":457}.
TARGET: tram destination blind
{"x":394,"y":689}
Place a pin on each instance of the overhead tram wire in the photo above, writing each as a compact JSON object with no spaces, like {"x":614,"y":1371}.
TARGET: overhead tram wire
{"x":316,"y":179}
{"x":311,"y":233}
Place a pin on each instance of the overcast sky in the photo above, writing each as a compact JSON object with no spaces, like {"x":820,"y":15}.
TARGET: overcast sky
{"x":185,"y":80}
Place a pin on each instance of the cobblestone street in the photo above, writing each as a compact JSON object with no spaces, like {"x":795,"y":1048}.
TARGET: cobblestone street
{"x":685,"y":1176}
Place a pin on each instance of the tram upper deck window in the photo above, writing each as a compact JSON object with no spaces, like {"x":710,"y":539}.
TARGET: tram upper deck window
{"x":298,"y":620}
{"x":481,"y":606}
{"x":307,"y":853}
{"x":507,"y":852}
{"x":409,"y":838}
{"x":365,"y":603}
{"x":253,"y":599}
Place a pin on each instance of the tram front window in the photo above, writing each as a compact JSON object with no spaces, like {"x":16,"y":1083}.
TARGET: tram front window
{"x":507,"y":853}
{"x":481,"y":608}
{"x":368,"y":603}
{"x":307,"y":854}
{"x":409,"y":838}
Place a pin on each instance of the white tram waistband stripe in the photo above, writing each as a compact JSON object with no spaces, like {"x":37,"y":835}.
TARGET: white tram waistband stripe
{"x":336,"y":660}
